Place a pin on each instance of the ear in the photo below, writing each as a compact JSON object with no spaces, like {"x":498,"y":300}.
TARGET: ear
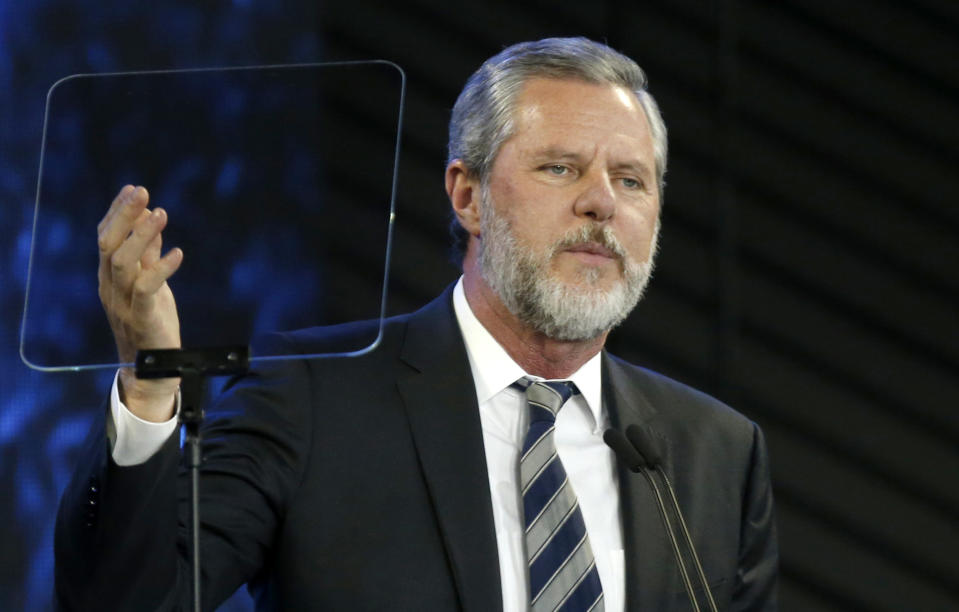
{"x":463,"y":190}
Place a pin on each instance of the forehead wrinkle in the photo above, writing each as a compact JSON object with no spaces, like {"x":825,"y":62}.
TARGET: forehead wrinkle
{"x":537,"y":118}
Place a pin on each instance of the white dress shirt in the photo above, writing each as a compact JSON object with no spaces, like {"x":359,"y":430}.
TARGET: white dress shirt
{"x":589,"y":463}
{"x":136,"y":440}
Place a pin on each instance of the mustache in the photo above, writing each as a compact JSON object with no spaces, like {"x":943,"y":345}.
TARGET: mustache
{"x":590,"y":234}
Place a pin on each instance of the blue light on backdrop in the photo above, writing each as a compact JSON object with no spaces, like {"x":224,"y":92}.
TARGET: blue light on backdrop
{"x":44,"y":417}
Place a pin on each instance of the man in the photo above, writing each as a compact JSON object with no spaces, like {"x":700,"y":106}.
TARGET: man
{"x":400,"y":479}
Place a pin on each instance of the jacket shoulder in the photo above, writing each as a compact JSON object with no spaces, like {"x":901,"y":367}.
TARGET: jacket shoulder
{"x":675,"y":405}
{"x":356,"y":337}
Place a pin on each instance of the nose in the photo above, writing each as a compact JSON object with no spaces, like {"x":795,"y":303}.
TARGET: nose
{"x":597,"y":200}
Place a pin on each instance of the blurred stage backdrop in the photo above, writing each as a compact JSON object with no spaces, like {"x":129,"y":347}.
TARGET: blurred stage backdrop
{"x":809,"y":267}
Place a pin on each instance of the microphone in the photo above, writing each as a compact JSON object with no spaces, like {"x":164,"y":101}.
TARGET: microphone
{"x":635,"y":460}
{"x":643,"y":445}
{"x":649,"y":446}
{"x":626,"y":452}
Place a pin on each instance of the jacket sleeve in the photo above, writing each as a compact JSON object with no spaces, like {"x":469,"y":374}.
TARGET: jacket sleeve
{"x":106,"y":555}
{"x":758,"y":551}
{"x":122,"y":541}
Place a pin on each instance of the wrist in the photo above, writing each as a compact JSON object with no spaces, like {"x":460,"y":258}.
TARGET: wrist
{"x":149,"y":399}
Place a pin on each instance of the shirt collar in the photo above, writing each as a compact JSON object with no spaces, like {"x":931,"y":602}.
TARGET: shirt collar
{"x":494,"y":370}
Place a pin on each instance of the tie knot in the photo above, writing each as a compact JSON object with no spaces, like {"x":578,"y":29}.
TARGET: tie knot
{"x":547,"y":396}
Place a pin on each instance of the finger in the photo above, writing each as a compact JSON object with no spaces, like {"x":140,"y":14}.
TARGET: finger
{"x":149,"y":282}
{"x":121,"y":222}
{"x":152,"y":252}
{"x":125,"y":260}
{"x":105,"y":270}
{"x":120,"y":199}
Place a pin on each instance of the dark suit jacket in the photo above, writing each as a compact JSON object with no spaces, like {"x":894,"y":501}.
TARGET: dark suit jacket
{"x":360,"y":484}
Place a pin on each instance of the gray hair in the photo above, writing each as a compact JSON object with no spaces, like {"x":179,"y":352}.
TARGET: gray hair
{"x":482,"y":118}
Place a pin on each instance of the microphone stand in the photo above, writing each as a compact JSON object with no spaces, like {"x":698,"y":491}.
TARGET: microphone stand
{"x":680,"y":561}
{"x":641,"y":454}
{"x":689,"y":541}
{"x":193,"y":367}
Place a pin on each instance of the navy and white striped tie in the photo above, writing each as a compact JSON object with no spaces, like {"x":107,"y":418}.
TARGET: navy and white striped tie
{"x":562,"y":572}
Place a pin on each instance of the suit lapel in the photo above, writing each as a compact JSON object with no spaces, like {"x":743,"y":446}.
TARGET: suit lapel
{"x":650,"y":572}
{"x":440,"y":403}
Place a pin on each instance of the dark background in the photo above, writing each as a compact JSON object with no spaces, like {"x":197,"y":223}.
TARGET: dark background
{"x":810,"y":248}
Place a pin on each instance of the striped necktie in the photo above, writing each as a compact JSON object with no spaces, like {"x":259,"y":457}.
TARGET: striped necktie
{"x":562,"y":573}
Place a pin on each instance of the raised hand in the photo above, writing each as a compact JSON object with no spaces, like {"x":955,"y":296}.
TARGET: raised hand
{"x":136,"y":297}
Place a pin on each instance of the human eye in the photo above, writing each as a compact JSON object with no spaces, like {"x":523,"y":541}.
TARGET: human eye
{"x":631,"y":183}
{"x":556,"y":169}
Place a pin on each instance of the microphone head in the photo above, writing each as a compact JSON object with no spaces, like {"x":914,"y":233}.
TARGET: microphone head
{"x":645,"y":444}
{"x":625,"y":451}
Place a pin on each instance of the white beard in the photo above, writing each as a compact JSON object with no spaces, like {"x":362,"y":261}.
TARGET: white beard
{"x":524,"y":282}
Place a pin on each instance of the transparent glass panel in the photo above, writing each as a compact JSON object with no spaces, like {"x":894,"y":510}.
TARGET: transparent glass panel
{"x":279,"y":184}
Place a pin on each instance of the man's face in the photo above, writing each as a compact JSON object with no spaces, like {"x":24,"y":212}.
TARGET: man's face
{"x":570,"y":209}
